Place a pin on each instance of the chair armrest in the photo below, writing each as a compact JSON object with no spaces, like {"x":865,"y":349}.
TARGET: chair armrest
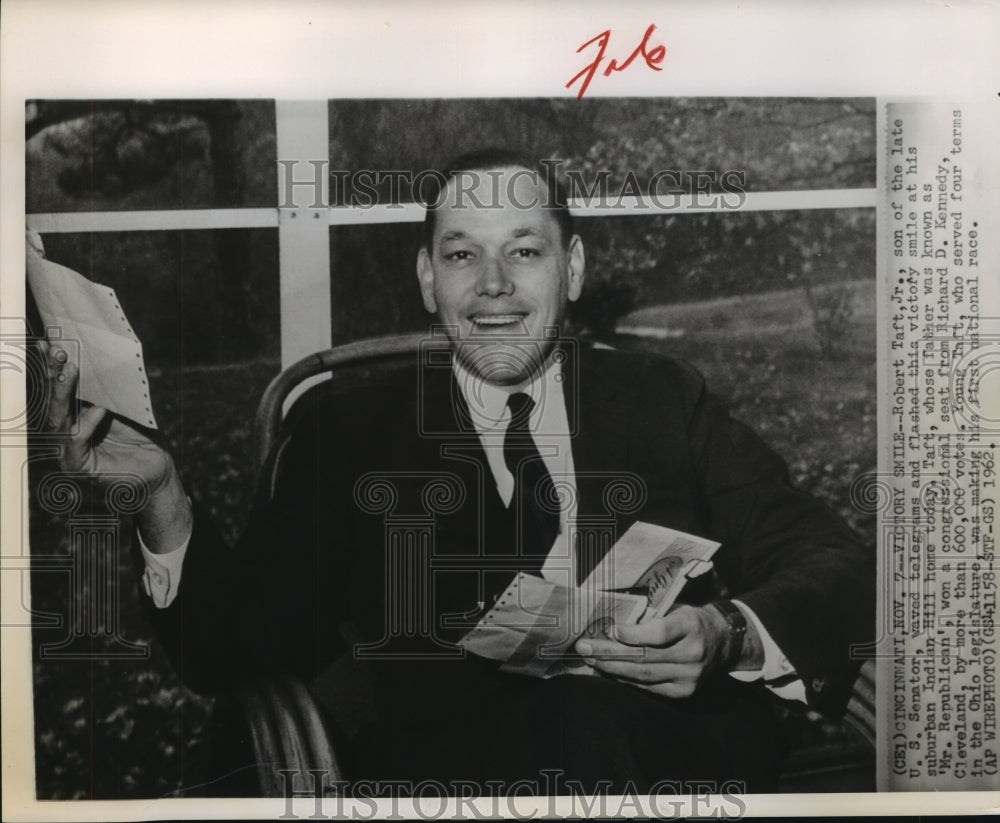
{"x":286,"y":732}
{"x":827,"y":755}
{"x":861,"y":708}
{"x":267,"y":422}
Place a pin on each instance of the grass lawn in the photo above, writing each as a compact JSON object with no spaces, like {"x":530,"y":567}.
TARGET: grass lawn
{"x":760,"y":354}
{"x":118,"y":728}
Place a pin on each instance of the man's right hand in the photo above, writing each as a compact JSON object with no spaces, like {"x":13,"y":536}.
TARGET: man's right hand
{"x":165,"y":522}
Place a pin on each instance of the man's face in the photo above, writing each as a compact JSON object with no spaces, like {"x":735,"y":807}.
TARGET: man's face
{"x":499,"y":274}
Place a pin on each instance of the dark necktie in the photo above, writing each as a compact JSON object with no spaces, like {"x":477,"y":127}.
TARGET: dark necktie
{"x":534,"y":503}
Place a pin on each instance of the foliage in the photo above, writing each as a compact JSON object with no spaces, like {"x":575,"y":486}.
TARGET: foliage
{"x":110,"y":155}
{"x":107,"y":155}
{"x":679,"y":258}
{"x":111,"y":728}
{"x":832,"y":309}
{"x":125,"y":151}
{"x":639,"y":260}
{"x":180,"y":302}
{"x":759,"y":353}
{"x":607,"y":300}
{"x":171,"y":154}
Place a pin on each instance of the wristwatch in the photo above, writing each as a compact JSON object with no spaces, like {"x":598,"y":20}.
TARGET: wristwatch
{"x":737,"y":622}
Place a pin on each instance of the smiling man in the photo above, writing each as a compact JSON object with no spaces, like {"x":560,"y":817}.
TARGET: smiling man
{"x":498,"y":266}
{"x":498,"y":459}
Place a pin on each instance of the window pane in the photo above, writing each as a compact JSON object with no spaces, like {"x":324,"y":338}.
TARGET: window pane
{"x":373,"y":281}
{"x":778,"y":143}
{"x":193,"y":297}
{"x":776,"y":309}
{"x":208,"y":321}
{"x":115,"y":155}
{"x":205,"y":306}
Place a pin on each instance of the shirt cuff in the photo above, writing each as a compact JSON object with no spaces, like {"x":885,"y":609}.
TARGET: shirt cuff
{"x":778,"y":673}
{"x":162,"y":575}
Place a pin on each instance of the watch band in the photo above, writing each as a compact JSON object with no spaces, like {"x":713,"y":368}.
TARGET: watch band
{"x":737,"y":623}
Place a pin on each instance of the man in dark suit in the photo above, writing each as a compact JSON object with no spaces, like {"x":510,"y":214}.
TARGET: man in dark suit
{"x":402,"y":512}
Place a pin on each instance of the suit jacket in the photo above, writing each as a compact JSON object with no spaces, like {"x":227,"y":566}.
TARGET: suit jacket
{"x":379,"y":527}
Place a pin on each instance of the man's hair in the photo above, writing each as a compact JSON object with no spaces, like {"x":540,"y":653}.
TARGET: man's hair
{"x":482,"y":160}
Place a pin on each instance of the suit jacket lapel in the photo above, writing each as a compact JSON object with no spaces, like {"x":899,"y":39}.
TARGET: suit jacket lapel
{"x":453,"y":445}
{"x":598,"y":422}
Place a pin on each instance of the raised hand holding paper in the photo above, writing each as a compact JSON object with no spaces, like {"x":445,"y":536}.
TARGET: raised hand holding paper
{"x":112,"y":371}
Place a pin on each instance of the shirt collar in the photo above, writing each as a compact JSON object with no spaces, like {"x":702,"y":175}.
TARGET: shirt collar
{"x":487,"y":402}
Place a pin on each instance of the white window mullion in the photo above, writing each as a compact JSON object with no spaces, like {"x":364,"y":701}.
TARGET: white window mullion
{"x":303,"y":229}
{"x":165,"y":220}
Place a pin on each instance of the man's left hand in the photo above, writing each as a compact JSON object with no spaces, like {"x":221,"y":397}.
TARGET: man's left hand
{"x":670,"y":655}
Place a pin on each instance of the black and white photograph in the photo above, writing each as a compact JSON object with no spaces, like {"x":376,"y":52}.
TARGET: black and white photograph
{"x":503,"y":447}
{"x":635,"y":304}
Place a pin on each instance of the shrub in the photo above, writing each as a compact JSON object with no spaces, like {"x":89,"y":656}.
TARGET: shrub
{"x":832,"y":309}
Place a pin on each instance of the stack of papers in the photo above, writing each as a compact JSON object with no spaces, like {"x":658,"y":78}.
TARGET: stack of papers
{"x":112,"y":370}
{"x":535,"y":622}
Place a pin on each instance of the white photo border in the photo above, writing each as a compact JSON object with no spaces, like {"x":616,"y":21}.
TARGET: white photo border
{"x":307,"y":50}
